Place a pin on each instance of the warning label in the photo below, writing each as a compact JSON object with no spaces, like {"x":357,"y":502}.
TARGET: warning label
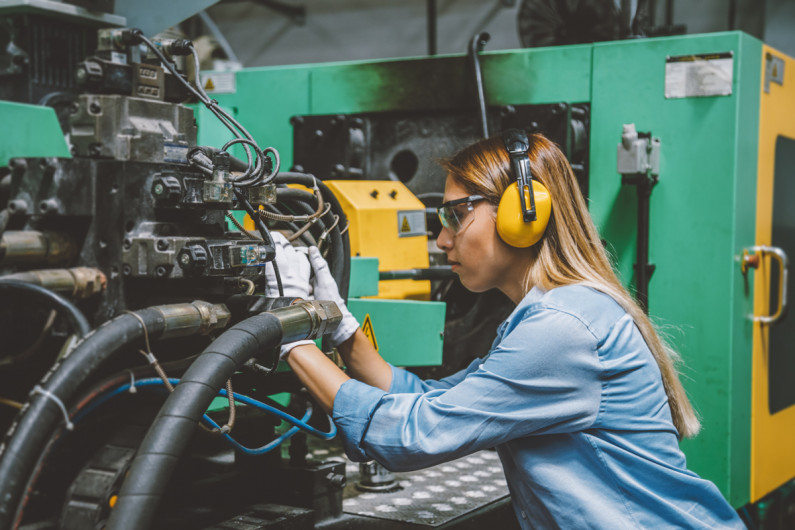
{"x":411,"y":223}
{"x":219,"y":82}
{"x":699,"y":75}
{"x":369,"y":332}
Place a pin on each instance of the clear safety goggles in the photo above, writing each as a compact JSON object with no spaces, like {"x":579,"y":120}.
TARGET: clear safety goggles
{"x":453,"y":213}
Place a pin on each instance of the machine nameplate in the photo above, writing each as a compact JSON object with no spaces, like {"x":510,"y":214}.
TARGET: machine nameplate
{"x":175,"y":153}
{"x":701,"y":75}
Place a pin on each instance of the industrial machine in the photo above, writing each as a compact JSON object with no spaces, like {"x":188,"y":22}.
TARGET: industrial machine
{"x":137,"y":207}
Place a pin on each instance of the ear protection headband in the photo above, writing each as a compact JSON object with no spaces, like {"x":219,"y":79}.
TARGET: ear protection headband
{"x":522,"y":217}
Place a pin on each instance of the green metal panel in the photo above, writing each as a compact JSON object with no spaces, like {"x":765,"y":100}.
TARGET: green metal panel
{"x":364,"y":277}
{"x":408,"y":333}
{"x":32,"y":131}
{"x":701,"y":214}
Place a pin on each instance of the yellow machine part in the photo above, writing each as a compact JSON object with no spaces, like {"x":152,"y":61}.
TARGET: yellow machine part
{"x":772,"y":455}
{"x":386,"y":221}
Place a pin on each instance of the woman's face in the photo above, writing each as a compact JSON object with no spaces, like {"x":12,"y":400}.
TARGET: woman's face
{"x":477,"y":254}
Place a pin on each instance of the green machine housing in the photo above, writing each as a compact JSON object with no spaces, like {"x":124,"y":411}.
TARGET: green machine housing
{"x":703,"y":210}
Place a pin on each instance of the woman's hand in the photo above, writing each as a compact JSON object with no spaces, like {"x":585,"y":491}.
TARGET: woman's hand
{"x":325,"y":288}
{"x":293,"y":267}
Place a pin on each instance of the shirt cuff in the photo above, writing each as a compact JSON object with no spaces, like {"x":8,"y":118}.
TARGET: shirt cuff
{"x":353,"y":409}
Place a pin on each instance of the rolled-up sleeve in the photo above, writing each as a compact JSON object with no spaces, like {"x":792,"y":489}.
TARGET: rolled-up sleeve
{"x":543,"y":376}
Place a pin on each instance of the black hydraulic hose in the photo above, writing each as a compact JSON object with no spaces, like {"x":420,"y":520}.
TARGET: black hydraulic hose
{"x":340,"y":262}
{"x":76,"y":318}
{"x":176,"y":422}
{"x":26,"y":440}
{"x":476,"y":46}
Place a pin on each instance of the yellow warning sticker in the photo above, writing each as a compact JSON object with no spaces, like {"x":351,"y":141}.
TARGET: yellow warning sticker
{"x":411,"y":223}
{"x":369,"y":332}
{"x":219,"y":82}
{"x":405,"y":227}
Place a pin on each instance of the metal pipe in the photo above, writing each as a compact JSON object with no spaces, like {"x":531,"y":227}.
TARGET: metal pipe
{"x":432,"y":23}
{"x":171,"y":431}
{"x":439,"y":272}
{"x":42,"y":415}
{"x":476,"y":46}
{"x":77,"y":282}
{"x":30,"y":247}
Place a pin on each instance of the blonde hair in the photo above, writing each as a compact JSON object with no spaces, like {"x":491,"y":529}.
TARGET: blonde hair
{"x":570,"y":251}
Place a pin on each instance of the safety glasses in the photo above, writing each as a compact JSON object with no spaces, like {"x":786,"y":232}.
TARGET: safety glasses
{"x":453,"y":213}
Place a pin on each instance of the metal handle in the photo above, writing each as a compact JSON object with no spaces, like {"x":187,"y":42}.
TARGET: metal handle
{"x":752,"y":260}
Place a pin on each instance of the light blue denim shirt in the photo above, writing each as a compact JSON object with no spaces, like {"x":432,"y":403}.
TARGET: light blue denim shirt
{"x":572,"y":399}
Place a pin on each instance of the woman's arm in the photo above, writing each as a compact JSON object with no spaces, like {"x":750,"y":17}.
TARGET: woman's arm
{"x":323,"y":378}
{"x":364,"y":363}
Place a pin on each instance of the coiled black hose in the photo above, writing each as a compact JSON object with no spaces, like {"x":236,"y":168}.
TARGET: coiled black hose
{"x":25,"y":442}
{"x":176,"y":422}
{"x":340,"y":256}
{"x":76,"y":318}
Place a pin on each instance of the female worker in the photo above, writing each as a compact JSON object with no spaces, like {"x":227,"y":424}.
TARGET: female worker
{"x":578,"y":393}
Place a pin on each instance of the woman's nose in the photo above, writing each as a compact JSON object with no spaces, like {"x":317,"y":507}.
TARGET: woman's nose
{"x":445,"y":240}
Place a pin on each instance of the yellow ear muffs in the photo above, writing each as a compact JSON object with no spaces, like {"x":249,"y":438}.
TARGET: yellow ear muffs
{"x":511,"y":226}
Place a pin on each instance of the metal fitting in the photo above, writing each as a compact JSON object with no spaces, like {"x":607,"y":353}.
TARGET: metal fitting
{"x":30,"y":247}
{"x":78,"y":282}
{"x":199,"y":317}
{"x":310,"y":319}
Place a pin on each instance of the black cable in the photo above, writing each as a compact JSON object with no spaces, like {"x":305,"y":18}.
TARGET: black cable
{"x":76,"y":318}
{"x":175,"y":424}
{"x":25,"y":441}
{"x":340,"y":259}
{"x":266,"y":236}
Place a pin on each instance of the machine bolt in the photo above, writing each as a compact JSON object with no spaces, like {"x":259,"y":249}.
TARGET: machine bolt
{"x":18,"y":206}
{"x":161,"y":271}
{"x":192,"y":258}
{"x":374,"y":194}
{"x":49,"y":206}
{"x":318,"y":133}
{"x":126,"y":270}
{"x":126,"y":244}
{"x":94,"y":108}
{"x":167,"y":189}
{"x":162,"y":244}
{"x":297,"y":121}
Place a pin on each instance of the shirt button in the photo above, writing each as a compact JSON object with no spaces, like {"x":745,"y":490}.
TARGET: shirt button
{"x":524,"y":515}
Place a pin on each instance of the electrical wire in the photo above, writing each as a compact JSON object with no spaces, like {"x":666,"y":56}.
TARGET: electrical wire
{"x":254,"y":173}
{"x":298,"y":424}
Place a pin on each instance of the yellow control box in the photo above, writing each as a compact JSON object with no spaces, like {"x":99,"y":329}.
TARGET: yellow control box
{"x":386,"y":221}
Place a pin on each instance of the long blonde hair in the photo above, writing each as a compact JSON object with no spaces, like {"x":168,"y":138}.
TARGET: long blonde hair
{"x":570,"y":250}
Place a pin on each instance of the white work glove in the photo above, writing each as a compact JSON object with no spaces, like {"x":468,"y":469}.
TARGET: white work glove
{"x":325,"y":288}
{"x":294,"y":270}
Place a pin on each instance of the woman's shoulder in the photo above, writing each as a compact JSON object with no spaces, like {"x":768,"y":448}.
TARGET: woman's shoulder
{"x":595,"y":309}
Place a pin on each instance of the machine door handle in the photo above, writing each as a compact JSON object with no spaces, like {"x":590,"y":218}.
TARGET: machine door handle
{"x":752,"y":257}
